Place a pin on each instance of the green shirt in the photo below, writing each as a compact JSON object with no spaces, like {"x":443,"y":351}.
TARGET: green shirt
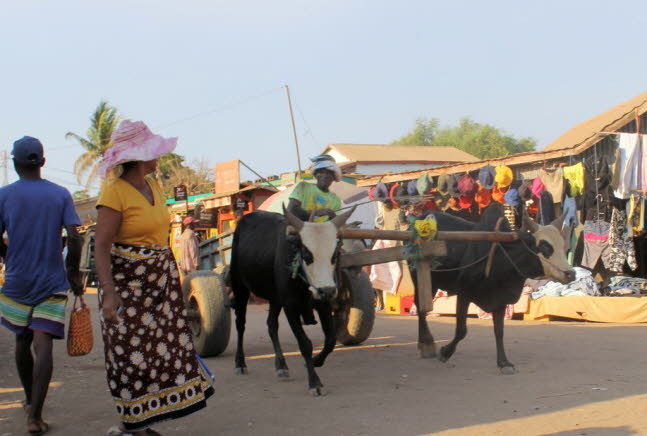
{"x":313,"y":198}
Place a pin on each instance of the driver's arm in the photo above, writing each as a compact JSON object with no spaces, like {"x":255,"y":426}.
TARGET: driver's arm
{"x":294,"y":207}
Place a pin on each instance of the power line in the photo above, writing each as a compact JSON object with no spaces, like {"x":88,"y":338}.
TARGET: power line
{"x":220,"y":109}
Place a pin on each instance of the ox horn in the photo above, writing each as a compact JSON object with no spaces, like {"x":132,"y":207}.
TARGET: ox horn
{"x":340,"y":220}
{"x":528,"y":224}
{"x":312,"y":216}
{"x":293,"y":220}
{"x":559,"y":222}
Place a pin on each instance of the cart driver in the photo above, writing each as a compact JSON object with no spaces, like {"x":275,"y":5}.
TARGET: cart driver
{"x":316,"y":199}
{"x":307,"y":197}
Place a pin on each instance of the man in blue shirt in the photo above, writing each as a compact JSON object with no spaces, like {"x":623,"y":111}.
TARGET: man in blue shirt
{"x":33,"y":212}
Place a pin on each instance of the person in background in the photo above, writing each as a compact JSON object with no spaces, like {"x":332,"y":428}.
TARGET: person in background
{"x":33,"y":212}
{"x":317,"y":201}
{"x":189,"y":246}
{"x":152,"y":370}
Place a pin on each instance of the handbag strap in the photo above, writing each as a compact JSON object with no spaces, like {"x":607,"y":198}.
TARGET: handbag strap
{"x":82,"y":302}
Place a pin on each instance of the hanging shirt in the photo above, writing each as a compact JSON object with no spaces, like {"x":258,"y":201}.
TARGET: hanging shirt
{"x":575,"y":176}
{"x":630,"y":167}
{"x":621,"y":242}
{"x":313,"y":198}
{"x":553,"y":180}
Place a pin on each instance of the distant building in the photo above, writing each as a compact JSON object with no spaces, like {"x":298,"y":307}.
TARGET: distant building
{"x":371,"y":159}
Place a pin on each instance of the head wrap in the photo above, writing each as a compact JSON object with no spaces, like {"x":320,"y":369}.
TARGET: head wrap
{"x":326,"y":162}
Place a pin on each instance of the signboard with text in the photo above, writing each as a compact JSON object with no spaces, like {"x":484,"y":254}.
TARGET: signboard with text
{"x":180,"y":193}
{"x":227,"y":176}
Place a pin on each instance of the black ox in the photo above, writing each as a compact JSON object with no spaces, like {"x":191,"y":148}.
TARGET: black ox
{"x":261,"y":263}
{"x":539,"y":252}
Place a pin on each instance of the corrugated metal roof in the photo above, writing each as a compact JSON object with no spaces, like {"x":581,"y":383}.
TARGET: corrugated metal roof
{"x":373,"y":153}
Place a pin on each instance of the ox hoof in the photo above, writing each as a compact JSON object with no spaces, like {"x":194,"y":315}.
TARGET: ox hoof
{"x":240,"y":370}
{"x":427,"y":351}
{"x":508,"y":370}
{"x":283,"y":373}
{"x":319,"y":391}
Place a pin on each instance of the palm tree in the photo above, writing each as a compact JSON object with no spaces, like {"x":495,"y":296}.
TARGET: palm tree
{"x":102,"y":123}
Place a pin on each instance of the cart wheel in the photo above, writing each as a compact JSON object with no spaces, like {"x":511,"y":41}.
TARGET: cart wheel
{"x":355,"y":317}
{"x":207,"y":314}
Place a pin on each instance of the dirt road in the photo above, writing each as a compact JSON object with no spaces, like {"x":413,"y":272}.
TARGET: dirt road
{"x":574,"y":379}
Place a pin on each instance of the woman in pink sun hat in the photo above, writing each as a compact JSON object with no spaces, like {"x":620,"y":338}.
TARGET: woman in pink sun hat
{"x":152,"y":370}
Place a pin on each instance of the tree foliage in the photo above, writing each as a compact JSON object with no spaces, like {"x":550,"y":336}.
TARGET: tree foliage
{"x":197,"y":176}
{"x":97,"y":140}
{"x":481,"y":140}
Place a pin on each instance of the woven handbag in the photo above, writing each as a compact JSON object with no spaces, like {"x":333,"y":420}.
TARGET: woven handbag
{"x":79,"y":333}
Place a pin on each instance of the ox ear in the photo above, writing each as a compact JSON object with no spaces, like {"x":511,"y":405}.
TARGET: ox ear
{"x":293,"y":220}
{"x":340,"y":220}
{"x":559,"y":222}
{"x":528,"y":225}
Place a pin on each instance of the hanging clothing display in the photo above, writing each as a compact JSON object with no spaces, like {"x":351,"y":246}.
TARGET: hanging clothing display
{"x":629,"y":168}
{"x":575,"y":176}
{"x":546,"y":208}
{"x":636,"y":213}
{"x":621,"y":242}
{"x":596,"y":244}
{"x":554,"y":182}
{"x":597,"y":190}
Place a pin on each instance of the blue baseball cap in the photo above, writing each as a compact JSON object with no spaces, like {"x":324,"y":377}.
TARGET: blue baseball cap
{"x":28,"y":151}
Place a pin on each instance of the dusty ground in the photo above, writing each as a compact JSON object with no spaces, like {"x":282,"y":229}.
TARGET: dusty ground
{"x":574,"y":379}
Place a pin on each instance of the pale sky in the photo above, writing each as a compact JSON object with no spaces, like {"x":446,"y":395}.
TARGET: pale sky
{"x":359,"y":71}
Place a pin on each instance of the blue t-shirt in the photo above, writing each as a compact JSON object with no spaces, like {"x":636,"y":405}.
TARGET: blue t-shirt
{"x":33,"y":212}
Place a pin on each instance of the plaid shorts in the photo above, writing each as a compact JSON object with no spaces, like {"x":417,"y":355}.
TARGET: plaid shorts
{"x":47,"y":316}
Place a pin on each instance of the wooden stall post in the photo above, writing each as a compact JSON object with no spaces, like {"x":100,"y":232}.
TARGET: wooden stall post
{"x":425,"y":299}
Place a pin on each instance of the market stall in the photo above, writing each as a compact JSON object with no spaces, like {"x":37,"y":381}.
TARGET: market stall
{"x":596,"y":174}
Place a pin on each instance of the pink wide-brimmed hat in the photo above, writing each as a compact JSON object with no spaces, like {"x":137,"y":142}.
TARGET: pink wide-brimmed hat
{"x":134,"y":141}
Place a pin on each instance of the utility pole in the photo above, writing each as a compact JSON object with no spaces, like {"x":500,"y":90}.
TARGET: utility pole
{"x":294,"y":130}
{"x":4,"y":156}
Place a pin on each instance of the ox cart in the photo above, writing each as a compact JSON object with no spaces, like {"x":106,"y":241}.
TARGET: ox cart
{"x":206,"y":298}
{"x":206,"y":294}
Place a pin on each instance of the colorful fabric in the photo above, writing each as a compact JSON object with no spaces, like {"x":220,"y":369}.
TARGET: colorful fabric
{"x":575,"y":176}
{"x":504,"y":176}
{"x":33,"y":212}
{"x":152,"y":370}
{"x":133,"y":141}
{"x":142,"y":223}
{"x":313,"y":198}
{"x":596,"y":244}
{"x":47,"y":316}
{"x":621,"y":242}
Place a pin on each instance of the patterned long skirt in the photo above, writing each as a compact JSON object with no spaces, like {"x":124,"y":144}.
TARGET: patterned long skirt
{"x":153,"y":373}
